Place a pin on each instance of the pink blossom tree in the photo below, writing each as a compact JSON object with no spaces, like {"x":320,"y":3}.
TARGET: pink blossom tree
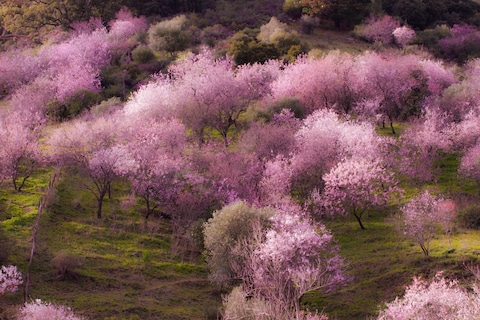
{"x":268,"y":140}
{"x":439,"y":298}
{"x":125,"y":25}
{"x":470,"y":163}
{"x":380,"y":29}
{"x":420,"y":146}
{"x":439,"y":76}
{"x":338,"y":139}
{"x":403,"y":35}
{"x":422,"y":216}
{"x":395,"y":82}
{"x":353,"y":186}
{"x":38,"y":310}
{"x":275,"y":185}
{"x":10,"y":279}
{"x":328,"y":82}
{"x":158,"y":99}
{"x":20,"y":153}
{"x":462,"y":98}
{"x":294,"y":257}
{"x":157,"y":149}
{"x":214,"y":93}
{"x":463,"y":43}
{"x":90,"y":145}
{"x":236,"y":173}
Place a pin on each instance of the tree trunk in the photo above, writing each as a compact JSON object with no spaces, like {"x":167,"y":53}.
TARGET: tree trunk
{"x":100,"y":204}
{"x":391,"y":125}
{"x":359,"y":219}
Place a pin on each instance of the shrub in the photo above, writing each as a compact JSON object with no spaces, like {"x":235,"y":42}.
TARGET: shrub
{"x":292,"y":104}
{"x":170,"y":35}
{"x":230,"y":226}
{"x":142,"y":54}
{"x":211,"y":35}
{"x":74,"y":106}
{"x":469,"y":217}
{"x":278,"y":34}
{"x":253,"y":51}
{"x":65,"y":265}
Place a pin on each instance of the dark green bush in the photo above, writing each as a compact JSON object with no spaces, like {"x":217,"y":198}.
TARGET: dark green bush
{"x":469,"y":217}
{"x":142,"y":54}
{"x":75,"y":105}
{"x":289,"y":103}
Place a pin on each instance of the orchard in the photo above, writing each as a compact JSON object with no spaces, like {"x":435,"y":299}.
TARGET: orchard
{"x":146,"y":174}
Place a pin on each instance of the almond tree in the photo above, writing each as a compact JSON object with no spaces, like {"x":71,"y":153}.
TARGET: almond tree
{"x":268,"y":140}
{"x":403,"y":35}
{"x":396,"y":82}
{"x":292,"y":258}
{"x":439,"y":298}
{"x":156,"y":148}
{"x":10,"y":279}
{"x":381,"y":29}
{"x":420,"y":146}
{"x":91,"y":147}
{"x":337,"y":139}
{"x":37,"y":309}
{"x":353,"y":186}
{"x":328,"y":82}
{"x":20,"y":152}
{"x":470,"y":163}
{"x":214,"y":94}
{"x":421,"y":218}
{"x":236,"y":173}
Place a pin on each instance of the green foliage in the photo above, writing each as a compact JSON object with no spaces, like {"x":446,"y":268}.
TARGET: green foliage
{"x":74,"y":106}
{"x":292,"y":8}
{"x":142,"y":54}
{"x":238,"y":14}
{"x":228,"y":228}
{"x":293,"y":104}
{"x":170,"y":35}
{"x":421,"y":14}
{"x":253,"y":51}
{"x":469,"y":217}
{"x":344,"y":14}
{"x":430,"y":37}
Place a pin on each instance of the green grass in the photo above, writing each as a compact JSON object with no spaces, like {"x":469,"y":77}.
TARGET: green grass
{"x":382,"y":263}
{"x":122,"y":269}
{"x":327,"y":40}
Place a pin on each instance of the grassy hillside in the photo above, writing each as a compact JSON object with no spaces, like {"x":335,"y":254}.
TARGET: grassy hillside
{"x":120,"y":267}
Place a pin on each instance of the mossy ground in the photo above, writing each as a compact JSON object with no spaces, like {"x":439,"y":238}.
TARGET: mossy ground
{"x":123,"y":267}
